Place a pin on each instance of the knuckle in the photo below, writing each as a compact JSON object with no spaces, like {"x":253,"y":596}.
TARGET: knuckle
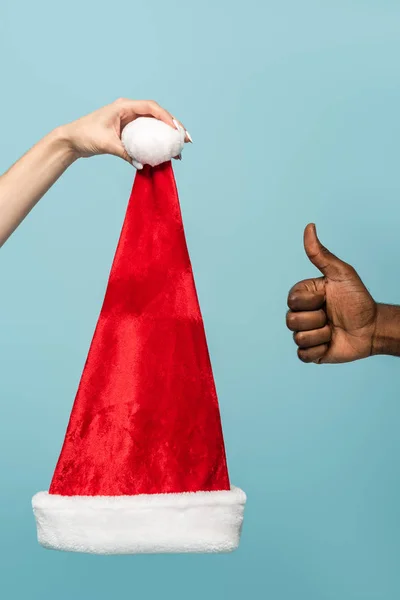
{"x":327,"y":332}
{"x":290,"y":320}
{"x":292,"y":299}
{"x":313,"y":254}
{"x":303,"y":356}
{"x":349,"y":270}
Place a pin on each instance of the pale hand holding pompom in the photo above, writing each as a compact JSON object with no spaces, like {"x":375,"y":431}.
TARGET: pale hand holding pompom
{"x":152,"y":142}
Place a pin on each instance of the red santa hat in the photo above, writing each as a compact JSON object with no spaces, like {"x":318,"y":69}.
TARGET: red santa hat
{"x":143,"y":466}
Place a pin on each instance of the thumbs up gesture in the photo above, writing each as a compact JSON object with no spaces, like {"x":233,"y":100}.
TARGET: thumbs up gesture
{"x":333,"y":317}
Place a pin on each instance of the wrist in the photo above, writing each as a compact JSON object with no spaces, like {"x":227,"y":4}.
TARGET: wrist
{"x":62,"y":138}
{"x":386,"y":337}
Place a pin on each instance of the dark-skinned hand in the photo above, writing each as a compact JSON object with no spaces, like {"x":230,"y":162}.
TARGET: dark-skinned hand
{"x":333,"y":317}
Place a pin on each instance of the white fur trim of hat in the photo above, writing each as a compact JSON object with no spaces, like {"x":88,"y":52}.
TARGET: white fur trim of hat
{"x":158,"y":523}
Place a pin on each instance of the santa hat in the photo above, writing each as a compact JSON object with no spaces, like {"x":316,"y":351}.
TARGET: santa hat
{"x":143,"y":467}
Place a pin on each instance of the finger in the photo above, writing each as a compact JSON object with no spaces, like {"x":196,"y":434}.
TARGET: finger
{"x":329,"y":264}
{"x":315,"y":337}
{"x":305,"y":321}
{"x":312,"y":355}
{"x":144,"y":108}
{"x":130,"y":109}
{"x":178,"y":125}
{"x":158,"y":112}
{"x":137,"y":164}
{"x":120,"y":151}
{"x":117,"y":149}
{"x":305,"y":300}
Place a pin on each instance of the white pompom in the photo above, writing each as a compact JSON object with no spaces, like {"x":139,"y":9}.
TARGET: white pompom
{"x":151,"y":142}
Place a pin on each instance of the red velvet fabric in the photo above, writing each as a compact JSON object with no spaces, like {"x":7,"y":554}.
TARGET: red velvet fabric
{"x":146,"y":418}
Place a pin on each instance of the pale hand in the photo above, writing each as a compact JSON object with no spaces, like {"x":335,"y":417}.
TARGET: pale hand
{"x":100,"y":131}
{"x":22,"y":186}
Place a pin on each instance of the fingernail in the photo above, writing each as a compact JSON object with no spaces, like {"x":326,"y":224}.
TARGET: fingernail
{"x":137,"y":165}
{"x":179,"y":157}
{"x":175,"y":122}
{"x":189,"y":137}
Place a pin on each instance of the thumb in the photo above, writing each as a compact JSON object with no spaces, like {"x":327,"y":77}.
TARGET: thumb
{"x":117,"y":149}
{"x":330,"y":265}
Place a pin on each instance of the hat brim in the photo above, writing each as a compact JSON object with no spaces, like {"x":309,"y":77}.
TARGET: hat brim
{"x":158,"y":523}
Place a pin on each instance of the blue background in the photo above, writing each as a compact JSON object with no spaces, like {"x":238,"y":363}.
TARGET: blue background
{"x":294,"y":110}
